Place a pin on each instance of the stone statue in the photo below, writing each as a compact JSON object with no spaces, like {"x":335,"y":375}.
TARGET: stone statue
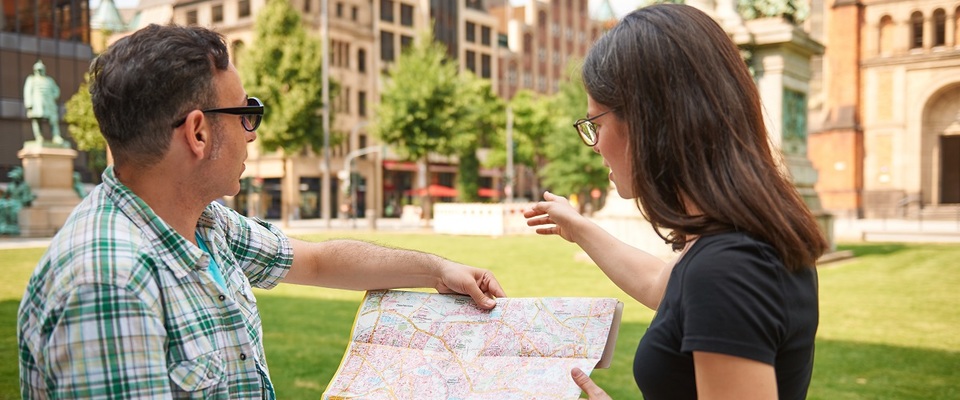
{"x":793,"y":10}
{"x":40,"y":94}
{"x":17,"y":196}
{"x":78,"y":185}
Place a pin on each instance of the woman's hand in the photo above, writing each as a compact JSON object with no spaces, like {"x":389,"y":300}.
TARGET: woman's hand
{"x":586,"y":384}
{"x":557,"y":211}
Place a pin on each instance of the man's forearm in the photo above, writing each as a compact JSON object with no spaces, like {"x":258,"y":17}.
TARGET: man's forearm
{"x":357,"y":265}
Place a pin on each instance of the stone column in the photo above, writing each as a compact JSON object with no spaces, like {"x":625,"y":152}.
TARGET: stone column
{"x":781,"y":61}
{"x":48,"y":171}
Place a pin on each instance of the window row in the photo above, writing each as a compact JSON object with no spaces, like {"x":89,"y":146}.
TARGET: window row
{"x":470,"y":33}
{"x":63,"y":19}
{"x":923,"y":31}
{"x":387,"y":12}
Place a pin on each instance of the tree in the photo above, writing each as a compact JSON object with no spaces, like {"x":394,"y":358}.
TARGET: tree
{"x":532,"y":125}
{"x":481,"y":124}
{"x":85,"y":129}
{"x":283,"y":69}
{"x":418,"y":111}
{"x":575,"y":168}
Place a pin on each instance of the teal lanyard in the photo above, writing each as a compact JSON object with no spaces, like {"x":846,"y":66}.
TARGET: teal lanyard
{"x":214,"y":268}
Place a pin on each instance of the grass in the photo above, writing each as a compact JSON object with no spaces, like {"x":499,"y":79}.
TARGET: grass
{"x":888,"y":324}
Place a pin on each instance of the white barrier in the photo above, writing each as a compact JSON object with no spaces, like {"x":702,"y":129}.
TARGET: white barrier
{"x":481,"y":219}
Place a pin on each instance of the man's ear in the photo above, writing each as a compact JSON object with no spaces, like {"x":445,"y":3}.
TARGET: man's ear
{"x":195,"y":133}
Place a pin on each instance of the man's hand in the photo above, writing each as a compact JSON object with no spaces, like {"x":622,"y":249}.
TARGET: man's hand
{"x":475,"y":282}
{"x":586,"y":384}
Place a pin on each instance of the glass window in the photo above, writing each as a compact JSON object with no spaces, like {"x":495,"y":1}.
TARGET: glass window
{"x":485,"y":71}
{"x":192,"y":17}
{"x":362,"y":104}
{"x":243,"y":8}
{"x":939,"y":27}
{"x":470,"y":32}
{"x":405,"y":41}
{"x":217,"y":13}
{"x":362,"y":60}
{"x":406,"y":15}
{"x":471,"y":61}
{"x":485,"y":35}
{"x":386,"y":46}
{"x":916,"y":31}
{"x":386,"y":10}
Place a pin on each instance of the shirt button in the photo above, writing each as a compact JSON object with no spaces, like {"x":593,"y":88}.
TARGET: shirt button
{"x":243,"y":356}
{"x":222,"y":297}
{"x":210,"y":374}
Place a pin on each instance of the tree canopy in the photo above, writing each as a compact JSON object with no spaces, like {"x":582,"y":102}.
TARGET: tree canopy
{"x":283,"y":69}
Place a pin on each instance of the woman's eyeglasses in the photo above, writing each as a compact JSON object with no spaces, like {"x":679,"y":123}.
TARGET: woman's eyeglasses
{"x":589,"y":131}
{"x":250,"y":115}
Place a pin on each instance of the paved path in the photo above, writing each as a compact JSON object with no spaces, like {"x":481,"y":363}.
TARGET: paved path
{"x":845,"y":230}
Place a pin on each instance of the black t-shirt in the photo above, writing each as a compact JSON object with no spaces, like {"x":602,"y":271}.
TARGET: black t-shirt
{"x":730,"y":294}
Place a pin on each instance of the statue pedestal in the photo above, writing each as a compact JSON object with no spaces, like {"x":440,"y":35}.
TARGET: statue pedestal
{"x":49,"y":173}
{"x":781,"y":53}
{"x":621,"y":218}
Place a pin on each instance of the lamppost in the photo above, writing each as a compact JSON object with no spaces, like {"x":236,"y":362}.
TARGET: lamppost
{"x":325,"y":76}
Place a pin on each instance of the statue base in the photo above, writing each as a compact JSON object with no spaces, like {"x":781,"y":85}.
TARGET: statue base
{"x":49,"y":173}
{"x":622,"y":219}
{"x":31,"y":144}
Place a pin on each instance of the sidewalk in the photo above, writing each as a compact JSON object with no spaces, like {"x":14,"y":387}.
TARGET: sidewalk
{"x":297,"y":227}
{"x":845,"y":230}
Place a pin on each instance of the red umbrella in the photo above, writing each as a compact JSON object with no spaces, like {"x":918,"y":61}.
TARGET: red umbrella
{"x":434,"y":191}
{"x":486,"y":192}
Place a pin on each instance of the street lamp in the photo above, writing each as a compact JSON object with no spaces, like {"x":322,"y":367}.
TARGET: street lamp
{"x":325,"y":76}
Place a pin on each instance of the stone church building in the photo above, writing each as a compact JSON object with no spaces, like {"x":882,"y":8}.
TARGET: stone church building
{"x":885,"y":124}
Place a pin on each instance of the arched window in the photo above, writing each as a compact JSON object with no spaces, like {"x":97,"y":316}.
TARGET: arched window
{"x":956,"y":24}
{"x":939,"y":27}
{"x":886,"y":35}
{"x":236,"y":49}
{"x":916,"y":30}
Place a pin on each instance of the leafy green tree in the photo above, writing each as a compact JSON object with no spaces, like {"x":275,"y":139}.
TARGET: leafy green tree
{"x":532,"y":125}
{"x":574,"y":168}
{"x":418,"y":112}
{"x":283,"y":68}
{"x":482,"y":121}
{"x":85,"y":129}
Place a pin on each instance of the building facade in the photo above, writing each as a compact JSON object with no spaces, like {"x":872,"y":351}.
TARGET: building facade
{"x":886,"y":134}
{"x":365,"y":39}
{"x":57,"y":33}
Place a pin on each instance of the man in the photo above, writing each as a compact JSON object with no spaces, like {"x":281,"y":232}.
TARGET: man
{"x":40,"y":94}
{"x":146,"y":290}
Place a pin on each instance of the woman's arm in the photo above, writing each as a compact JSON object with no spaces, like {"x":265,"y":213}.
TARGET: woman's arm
{"x":638,"y":273}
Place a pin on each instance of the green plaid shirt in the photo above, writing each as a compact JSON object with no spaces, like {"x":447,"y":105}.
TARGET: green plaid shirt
{"x":122,"y":306}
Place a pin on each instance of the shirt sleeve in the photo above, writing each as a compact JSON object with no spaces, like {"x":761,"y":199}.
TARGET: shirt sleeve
{"x":105,"y":343}
{"x":732,"y":301}
{"x":263,"y":252}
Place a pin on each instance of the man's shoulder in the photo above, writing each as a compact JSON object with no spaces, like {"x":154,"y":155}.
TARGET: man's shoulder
{"x":98,"y":238}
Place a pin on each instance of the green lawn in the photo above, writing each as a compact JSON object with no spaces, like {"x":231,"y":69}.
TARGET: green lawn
{"x":888,"y":330}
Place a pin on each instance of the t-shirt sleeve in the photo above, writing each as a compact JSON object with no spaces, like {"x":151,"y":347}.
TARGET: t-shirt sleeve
{"x":732,"y":301}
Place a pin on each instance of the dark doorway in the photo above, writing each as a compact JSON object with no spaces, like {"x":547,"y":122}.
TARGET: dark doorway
{"x":949,"y":169}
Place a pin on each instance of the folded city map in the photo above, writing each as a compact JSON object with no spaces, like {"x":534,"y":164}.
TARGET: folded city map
{"x":414,"y":345}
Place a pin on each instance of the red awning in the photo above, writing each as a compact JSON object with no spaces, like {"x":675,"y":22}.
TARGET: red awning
{"x":485,"y":192}
{"x":434,"y":191}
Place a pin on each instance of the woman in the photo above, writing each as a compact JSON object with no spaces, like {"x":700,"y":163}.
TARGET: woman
{"x":677,"y":118}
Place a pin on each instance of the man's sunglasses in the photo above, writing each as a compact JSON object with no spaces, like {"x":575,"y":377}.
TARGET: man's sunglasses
{"x":250,"y":115}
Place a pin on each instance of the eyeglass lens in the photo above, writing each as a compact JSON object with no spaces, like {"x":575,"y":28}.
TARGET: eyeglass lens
{"x":252,"y":121}
{"x":589,"y":132}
